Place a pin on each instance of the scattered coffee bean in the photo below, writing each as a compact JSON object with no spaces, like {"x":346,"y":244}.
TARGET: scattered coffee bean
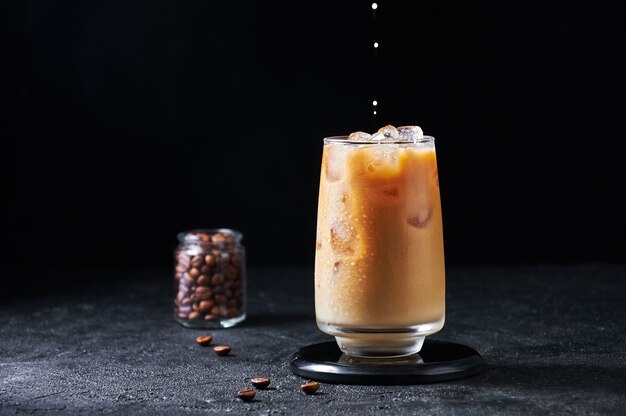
{"x":204,"y":340}
{"x":246,"y":395}
{"x":310,"y":388}
{"x":222,"y":350}
{"x":260,"y":382}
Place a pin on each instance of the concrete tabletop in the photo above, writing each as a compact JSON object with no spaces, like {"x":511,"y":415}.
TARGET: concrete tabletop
{"x":105,"y":342}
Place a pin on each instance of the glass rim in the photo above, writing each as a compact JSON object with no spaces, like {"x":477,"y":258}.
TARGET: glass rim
{"x":344,"y":140}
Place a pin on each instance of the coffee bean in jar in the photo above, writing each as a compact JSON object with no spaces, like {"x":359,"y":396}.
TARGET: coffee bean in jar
{"x":210,"y":279}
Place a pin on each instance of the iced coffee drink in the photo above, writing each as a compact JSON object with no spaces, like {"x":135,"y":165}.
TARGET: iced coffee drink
{"x":379,"y":266}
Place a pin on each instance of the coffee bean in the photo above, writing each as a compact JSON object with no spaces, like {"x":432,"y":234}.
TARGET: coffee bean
{"x":310,"y":388}
{"x":194,"y":272}
{"x":197,"y":261}
{"x":222,"y":350}
{"x":204,"y":340}
{"x":206,"y":305}
{"x":210,"y":317}
{"x":216,"y":311}
{"x":194,"y":315}
{"x":185,"y":302}
{"x":195,"y":307}
{"x":224,"y":258}
{"x":232,"y":303}
{"x":246,"y":395}
{"x":180,"y":296}
{"x":229,"y":239}
{"x":203,"y":293}
{"x":181,"y":315}
{"x":186,"y":280}
{"x":183,"y":261}
{"x":260,"y":382}
{"x":184,"y":309}
{"x":204,"y":296}
{"x":217,"y":279}
{"x":218,"y":239}
{"x":231,"y":313}
{"x":236,"y":259}
{"x":221,"y":299}
{"x":228,"y":293}
{"x":205,"y":245}
{"x":206,"y":270}
{"x":209,"y":260}
{"x":231,"y":272}
{"x":202,"y":289}
{"x":204,"y":280}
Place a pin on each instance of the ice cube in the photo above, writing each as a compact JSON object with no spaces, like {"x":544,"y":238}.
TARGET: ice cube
{"x":389,"y":132}
{"x":341,"y":237}
{"x":412,"y":133}
{"x":336,"y":156}
{"x":383,"y":153}
{"x":420,"y":217}
{"x":359,"y":136}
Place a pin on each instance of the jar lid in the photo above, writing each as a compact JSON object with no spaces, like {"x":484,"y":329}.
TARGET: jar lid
{"x":216,"y":237}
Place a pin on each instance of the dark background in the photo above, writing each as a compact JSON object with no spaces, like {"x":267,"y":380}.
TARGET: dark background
{"x":125,"y":122}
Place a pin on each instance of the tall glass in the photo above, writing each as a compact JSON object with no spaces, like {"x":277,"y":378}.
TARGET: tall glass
{"x":379,"y":264}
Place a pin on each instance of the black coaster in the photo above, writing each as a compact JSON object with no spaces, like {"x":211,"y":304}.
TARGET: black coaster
{"x":437,"y":361}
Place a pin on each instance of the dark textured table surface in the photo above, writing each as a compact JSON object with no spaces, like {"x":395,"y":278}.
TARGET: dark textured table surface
{"x":552,"y":338}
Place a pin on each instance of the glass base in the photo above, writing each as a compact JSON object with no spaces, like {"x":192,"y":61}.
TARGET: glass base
{"x":381,"y":342}
{"x":217,"y":323}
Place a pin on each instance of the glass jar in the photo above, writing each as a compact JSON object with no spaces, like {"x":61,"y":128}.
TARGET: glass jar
{"x":210,"y":279}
